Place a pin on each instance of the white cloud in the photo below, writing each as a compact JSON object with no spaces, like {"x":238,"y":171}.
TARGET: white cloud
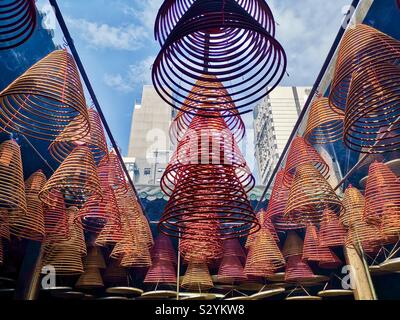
{"x":144,"y":11}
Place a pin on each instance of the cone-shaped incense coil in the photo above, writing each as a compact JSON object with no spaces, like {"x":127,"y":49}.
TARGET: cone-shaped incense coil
{"x":12,"y":188}
{"x":354,"y":203}
{"x":1,"y":252}
{"x":331,"y":233}
{"x":300,"y":154}
{"x":45,"y":99}
{"x":231,"y":270}
{"x":233,"y":248}
{"x":390,"y":225}
{"x":63,"y":145}
{"x":17,"y":22}
{"x":90,"y":279}
{"x":197,"y":277}
{"x":64,"y":258}
{"x":76,"y":178}
{"x":372,"y":113}
{"x":293,"y":245}
{"x":332,"y":261}
{"x":110,"y":234}
{"x":137,"y":259}
{"x":4,"y":224}
{"x":266,"y":222}
{"x":297,"y":270}
{"x":115,"y":273}
{"x":30,"y":225}
{"x":361,"y":47}
{"x":163,"y":249}
{"x":323,"y":124}
{"x":94,"y":258}
{"x":383,"y":187}
{"x":111,"y":174}
{"x":161,"y":272}
{"x":56,"y":219}
{"x":310,"y":194}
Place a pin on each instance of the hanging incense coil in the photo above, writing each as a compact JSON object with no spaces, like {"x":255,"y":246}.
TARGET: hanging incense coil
{"x":12,"y":188}
{"x":293,"y":245}
{"x":115,"y":274}
{"x":45,"y":99}
{"x":197,"y":277}
{"x":94,"y":258}
{"x":1,"y":252}
{"x":30,"y":225}
{"x":90,"y":279}
{"x":323,"y":124}
{"x":65,"y":259}
{"x":17,"y":22}
{"x":301,"y":153}
{"x":56,"y":219}
{"x":233,"y":248}
{"x":161,"y":272}
{"x":4,"y":224}
{"x":266,"y":222}
{"x":331,"y":233}
{"x":62,"y":146}
{"x":212,"y":34}
{"x":361,"y":47}
{"x":110,"y":234}
{"x":163,"y":249}
{"x":372,"y":118}
{"x":231,"y":270}
{"x":297,"y":270}
{"x":137,"y":259}
{"x":383,"y":187}
{"x":76,"y":178}
{"x":390,"y":222}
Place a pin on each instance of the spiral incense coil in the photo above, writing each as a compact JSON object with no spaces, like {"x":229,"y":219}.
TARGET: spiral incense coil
{"x":115,"y":274}
{"x":233,"y":248}
{"x":361,"y":47}
{"x":110,"y":234}
{"x":218,"y":38}
{"x":277,"y":204}
{"x":66,"y":260}
{"x":96,"y":213}
{"x":332,"y":261}
{"x":112,"y":175}
{"x":161,"y":272}
{"x":90,"y":279}
{"x":4,"y":224}
{"x":45,"y":99}
{"x":231,"y":270}
{"x":56,"y":219}
{"x":301,"y":153}
{"x":310,"y":194}
{"x":293,"y":245}
{"x":372,"y":118}
{"x":12,"y":188}
{"x":383,"y":187}
{"x":76,"y":178}
{"x":30,"y":225}
{"x":1,"y":252}
{"x":17,"y":22}
{"x":163,"y":249}
{"x":94,"y":258}
{"x":266,"y":222}
{"x":297,"y":271}
{"x":135,"y":259}
{"x":354,"y":203}
{"x":331,"y":233}
{"x":66,"y":141}
{"x":323,"y":124}
{"x":390,"y":222}
{"x":197,"y":277}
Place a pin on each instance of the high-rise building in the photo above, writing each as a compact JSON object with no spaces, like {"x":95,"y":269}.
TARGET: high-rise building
{"x":149,"y":145}
{"x":274,"y":119}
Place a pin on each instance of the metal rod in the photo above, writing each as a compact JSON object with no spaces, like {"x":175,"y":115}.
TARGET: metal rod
{"x":178,"y":271}
{"x":37,"y":152}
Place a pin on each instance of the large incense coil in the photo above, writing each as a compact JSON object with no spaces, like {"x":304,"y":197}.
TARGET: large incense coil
{"x":62,"y":146}
{"x":297,"y":270}
{"x":331,"y":233}
{"x":161,"y":272}
{"x":332,"y":261}
{"x":210,"y":36}
{"x":17,"y":22}
{"x":354,"y":204}
{"x":231,"y":270}
{"x":277,"y":204}
{"x":90,"y":279}
{"x":12,"y":188}
{"x":257,"y":270}
{"x":301,"y":153}
{"x":323,"y":124}
{"x":293,"y":245}
{"x":65,"y":259}
{"x":110,"y":234}
{"x":390,"y":221}
{"x":233,"y":248}
{"x":163,"y":249}
{"x":137,"y":259}
{"x":310,"y":195}
{"x":112,"y":175}
{"x":197,"y":277}
{"x":372,"y":118}
{"x":45,"y":99}
{"x":94,"y":258}
{"x":76,"y":178}
{"x":56,"y":219}
{"x":30,"y":225}
{"x":383,"y":187}
{"x":115,"y":273}
{"x":4,"y":224}
{"x":361,"y":47}
{"x":266,"y":222}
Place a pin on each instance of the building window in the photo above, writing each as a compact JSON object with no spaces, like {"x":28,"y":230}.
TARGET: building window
{"x":147,"y":171}
{"x":160,"y":169}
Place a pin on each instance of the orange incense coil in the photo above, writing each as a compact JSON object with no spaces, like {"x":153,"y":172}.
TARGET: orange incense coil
{"x":163,"y":250}
{"x":197,"y":277}
{"x":390,"y":222}
{"x":1,"y":252}
{"x":30,"y":225}
{"x":94,"y":258}
{"x":354,"y":204}
{"x":331,"y":233}
{"x":76,"y":178}
{"x":4,"y":224}
{"x":90,"y":279}
{"x":110,"y":234}
{"x":372,"y":118}
{"x":309,"y":196}
{"x":45,"y":99}
{"x":161,"y":272}
{"x":300,"y":154}
{"x":62,"y":146}
{"x":231,"y":270}
{"x":266,"y":222}
{"x":383,"y":187}
{"x":12,"y":187}
{"x":361,"y":47}
{"x":293,"y":245}
{"x":64,"y":258}
{"x":137,"y":259}
{"x":56,"y":219}
{"x":297,"y":270}
{"x":111,"y":174}
{"x":323,"y":124}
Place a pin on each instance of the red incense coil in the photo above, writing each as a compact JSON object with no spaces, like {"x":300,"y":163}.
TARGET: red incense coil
{"x":293,"y":245}
{"x":331,"y":233}
{"x":210,"y":35}
{"x":161,"y":272}
{"x":110,"y":234}
{"x":45,"y":99}
{"x":163,"y":249}
{"x":310,"y":195}
{"x":297,"y":271}
{"x":233,"y":248}
{"x":390,"y":222}
{"x":231,"y":270}
{"x":372,"y":118}
{"x":197,"y":277}
{"x":383,"y":187}
{"x":90,"y":279}
{"x":66,"y":141}
{"x":17,"y":22}
{"x":56,"y":219}
{"x":76,"y":178}
{"x":323,"y":124}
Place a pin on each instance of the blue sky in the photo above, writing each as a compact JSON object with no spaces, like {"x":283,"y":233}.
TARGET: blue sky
{"x":116,"y":44}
